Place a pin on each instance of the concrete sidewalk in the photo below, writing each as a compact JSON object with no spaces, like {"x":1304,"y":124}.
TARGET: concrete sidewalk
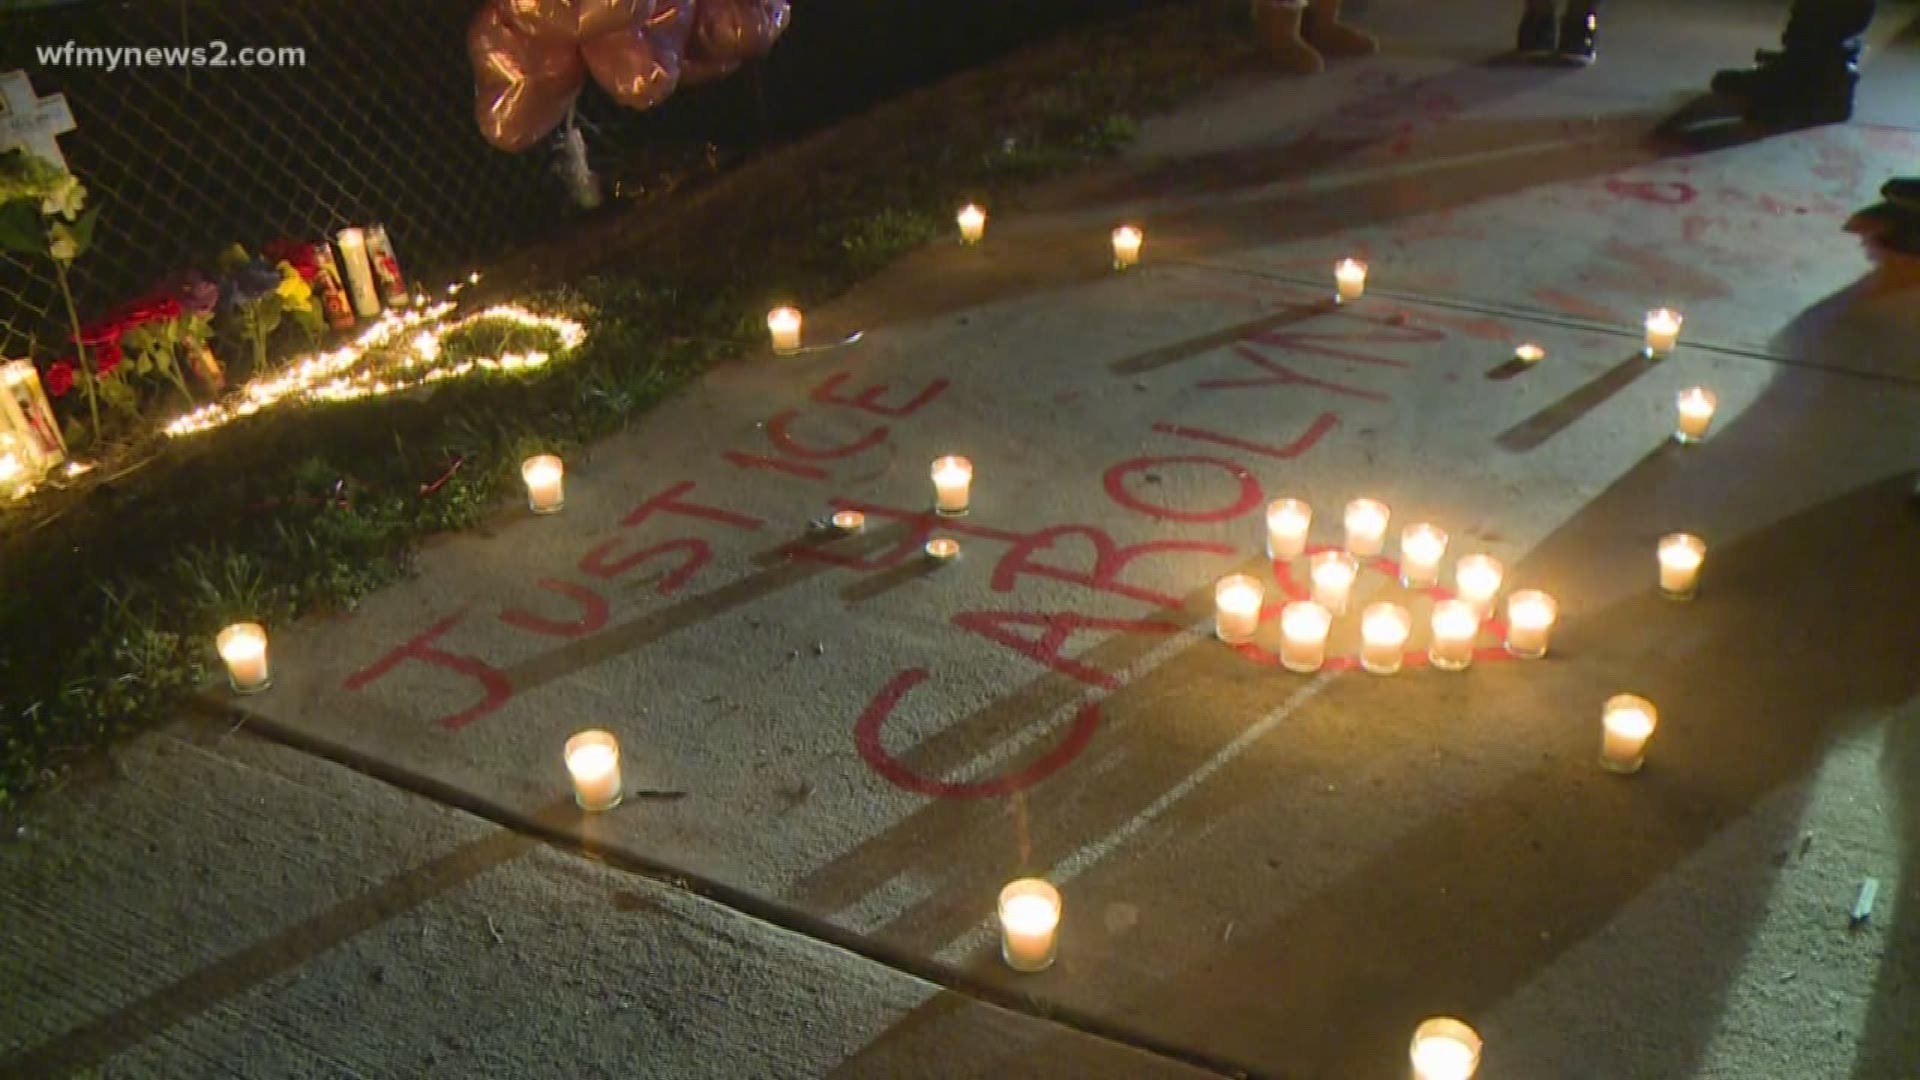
{"x":1277,"y":874}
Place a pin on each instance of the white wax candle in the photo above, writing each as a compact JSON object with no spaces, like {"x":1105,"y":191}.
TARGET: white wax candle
{"x":1422,"y":546}
{"x":1236,"y":602}
{"x":1455,"y":626}
{"x":943,"y":549}
{"x":546,"y":483}
{"x":1366,"y":521}
{"x":783,"y":325}
{"x":1332,"y":574}
{"x":1029,"y":924}
{"x":849,"y":521}
{"x":1626,"y":723}
{"x":973,"y":224}
{"x":244,"y":648}
{"x":593,"y":760}
{"x":1530,"y":618}
{"x":1477,"y":579}
{"x":952,"y":484}
{"x":1126,"y":246}
{"x":1680,"y":559}
{"x":1384,"y":629}
{"x":1444,"y":1049}
{"x":1350,"y":279}
{"x":1287,"y":524}
{"x":1663,"y":331}
{"x":353,"y":255}
{"x":1303,"y":636}
{"x":1530,"y":353}
{"x":1695,"y":406}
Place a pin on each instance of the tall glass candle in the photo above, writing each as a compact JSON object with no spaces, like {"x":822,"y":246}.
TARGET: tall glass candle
{"x":1681,"y":556}
{"x":1695,"y":407}
{"x":1663,"y":331}
{"x":1349,"y":280}
{"x":783,"y":325}
{"x":1236,"y":604}
{"x":952,"y":484}
{"x":593,"y":760}
{"x":1287,"y":523}
{"x":359,"y":267}
{"x":1126,"y":246}
{"x":244,"y":648}
{"x":973,"y":224}
{"x":1384,"y":629}
{"x":1626,"y":723}
{"x":1477,"y":579}
{"x":1455,"y":626}
{"x":1332,"y":574}
{"x":1530,"y":618}
{"x":545,"y":476}
{"x":1303,"y":636}
{"x":1366,"y":522}
{"x":1029,"y":924}
{"x":1422,"y":547}
{"x":1444,"y":1049}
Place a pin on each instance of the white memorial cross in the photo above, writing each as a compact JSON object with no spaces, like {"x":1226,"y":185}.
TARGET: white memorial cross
{"x":33,"y":122}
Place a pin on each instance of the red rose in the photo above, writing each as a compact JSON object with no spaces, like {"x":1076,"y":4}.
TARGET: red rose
{"x":106,"y":331}
{"x":60,"y":377}
{"x":106,"y":357}
{"x":295,"y":254}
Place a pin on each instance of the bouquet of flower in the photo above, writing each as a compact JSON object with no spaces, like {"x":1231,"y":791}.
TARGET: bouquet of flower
{"x":257,"y":295}
{"x":43,"y":212}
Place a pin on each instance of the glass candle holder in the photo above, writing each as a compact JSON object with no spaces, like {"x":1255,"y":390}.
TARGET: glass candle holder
{"x":1477,"y":580}
{"x":1455,"y":627}
{"x":243,"y":646}
{"x":1127,"y":241}
{"x":1303,"y":636}
{"x":593,"y":760}
{"x":942,"y":549}
{"x":1366,"y":522}
{"x":1626,"y":723}
{"x":1422,"y":547}
{"x":1384,"y":629}
{"x":1332,"y":574}
{"x":973,"y":223}
{"x":1530,"y":618}
{"x":952,"y":485}
{"x":545,"y":477}
{"x":1695,"y":407}
{"x":783,"y":326}
{"x":1681,"y":556}
{"x":1236,"y":603}
{"x":1530,"y":353}
{"x":1029,"y":924}
{"x":1349,"y":280}
{"x":1287,"y":523}
{"x":1444,"y":1049}
{"x":1663,"y":332}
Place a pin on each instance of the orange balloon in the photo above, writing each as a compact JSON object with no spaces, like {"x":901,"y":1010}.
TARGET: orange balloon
{"x":523,"y":86}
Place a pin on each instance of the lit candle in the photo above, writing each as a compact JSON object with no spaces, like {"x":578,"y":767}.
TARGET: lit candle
{"x":943,"y":549}
{"x":1530,"y":618}
{"x":783,"y":323}
{"x":1029,"y":921}
{"x":1303,"y":636}
{"x":353,"y":255}
{"x":1680,"y":557}
{"x":1366,"y":521}
{"x":1626,"y":724}
{"x":1350,"y":280}
{"x":1530,"y":353}
{"x":1444,"y":1049}
{"x":1455,"y":626}
{"x":1384,"y":629}
{"x":952,"y":484}
{"x":1663,"y":331}
{"x":849,"y":521}
{"x":1287,"y":524}
{"x":1422,"y":546}
{"x":546,"y":483}
{"x":1696,"y":407}
{"x":1126,"y":246}
{"x":244,"y":647}
{"x":973,"y":224}
{"x":593,"y":759}
{"x":1477,"y":579}
{"x":1236,"y":602}
{"x":1333,"y":573}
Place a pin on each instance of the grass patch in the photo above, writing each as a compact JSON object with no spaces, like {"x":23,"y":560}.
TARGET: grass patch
{"x":108,"y":611}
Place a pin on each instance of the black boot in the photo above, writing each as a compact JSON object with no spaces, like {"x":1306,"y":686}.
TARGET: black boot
{"x":1535,"y":38}
{"x":1579,"y":35}
{"x":1772,"y":65}
{"x":1795,"y":89}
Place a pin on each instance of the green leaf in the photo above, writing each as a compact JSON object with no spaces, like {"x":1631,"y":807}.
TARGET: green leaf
{"x":82,"y":230}
{"x":20,"y":228}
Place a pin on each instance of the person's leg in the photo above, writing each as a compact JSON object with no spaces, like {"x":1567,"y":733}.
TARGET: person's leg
{"x":1278,"y":23}
{"x":1536,"y":35}
{"x":1811,"y":79}
{"x":1331,"y":36}
{"x":1580,"y":32}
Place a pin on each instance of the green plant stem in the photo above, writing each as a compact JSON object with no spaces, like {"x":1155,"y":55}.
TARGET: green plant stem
{"x":79,"y":349}
{"x":259,"y":342}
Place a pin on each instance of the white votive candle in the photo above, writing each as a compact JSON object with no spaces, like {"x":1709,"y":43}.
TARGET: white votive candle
{"x":593,"y":760}
{"x":1663,"y":331}
{"x":1332,"y":574}
{"x":1626,"y":723}
{"x":1680,"y":557}
{"x":1366,"y":521}
{"x":1530,"y":353}
{"x":1384,"y":629}
{"x":546,"y":483}
{"x":1530,"y":618}
{"x":1455,"y":626}
{"x":1029,"y":924}
{"x":1303,"y":636}
{"x":244,"y":648}
{"x":943,"y":549}
{"x":849,"y":521}
{"x":359,"y":267}
{"x":952,"y":484}
{"x":1422,"y":546}
{"x":973,"y":224}
{"x":1477,"y":579}
{"x":1444,"y":1049}
{"x":1287,"y":523}
{"x":1695,"y":406}
{"x":1236,"y":604}
{"x":783,"y":324}
{"x":1349,"y":280}
{"x":1126,"y":246}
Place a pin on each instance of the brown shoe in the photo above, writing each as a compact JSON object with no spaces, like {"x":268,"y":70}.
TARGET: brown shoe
{"x":1278,"y":23}
{"x":1333,"y":37}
